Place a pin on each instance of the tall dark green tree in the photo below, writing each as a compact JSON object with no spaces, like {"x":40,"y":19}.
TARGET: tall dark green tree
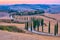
{"x":55,"y":29}
{"x":38,"y":24}
{"x":34,"y":24}
{"x":42,"y":23}
{"x":31,"y":26}
{"x":26,"y":25}
{"x":49,"y":27}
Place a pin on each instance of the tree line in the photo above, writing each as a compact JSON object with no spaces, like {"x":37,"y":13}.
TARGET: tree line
{"x":36,"y":23}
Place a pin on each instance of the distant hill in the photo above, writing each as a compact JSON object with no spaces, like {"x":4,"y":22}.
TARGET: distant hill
{"x":4,"y":14}
{"x":29,"y":7}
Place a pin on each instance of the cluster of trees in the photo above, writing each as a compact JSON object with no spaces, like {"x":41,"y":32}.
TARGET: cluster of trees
{"x":36,"y":23}
{"x":26,"y":13}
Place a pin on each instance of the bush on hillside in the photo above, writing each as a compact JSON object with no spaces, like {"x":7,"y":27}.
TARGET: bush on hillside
{"x":11,"y":29}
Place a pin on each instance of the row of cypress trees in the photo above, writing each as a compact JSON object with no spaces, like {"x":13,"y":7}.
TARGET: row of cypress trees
{"x":37,"y":23}
{"x":40,"y":22}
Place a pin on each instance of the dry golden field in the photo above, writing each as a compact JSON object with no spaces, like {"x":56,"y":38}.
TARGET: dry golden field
{"x":5,"y":35}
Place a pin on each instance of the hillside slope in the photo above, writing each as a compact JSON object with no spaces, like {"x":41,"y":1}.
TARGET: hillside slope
{"x":4,"y":35}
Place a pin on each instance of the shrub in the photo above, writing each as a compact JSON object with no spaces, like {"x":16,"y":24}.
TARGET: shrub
{"x":11,"y":29}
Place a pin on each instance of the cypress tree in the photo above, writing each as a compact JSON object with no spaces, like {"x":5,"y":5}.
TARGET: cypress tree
{"x":34,"y":24}
{"x":42,"y":23}
{"x":55,"y":29}
{"x":31,"y":26}
{"x":38,"y":28}
{"x":26,"y":26}
{"x":38,"y":24}
{"x":49,"y":27}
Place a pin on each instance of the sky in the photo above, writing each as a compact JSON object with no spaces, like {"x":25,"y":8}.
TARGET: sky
{"x":29,"y":2}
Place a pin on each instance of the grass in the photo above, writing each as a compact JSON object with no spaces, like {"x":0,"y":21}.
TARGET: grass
{"x":10,"y":21}
{"x":11,"y":29}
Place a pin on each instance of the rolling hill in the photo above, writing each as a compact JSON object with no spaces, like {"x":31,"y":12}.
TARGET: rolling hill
{"x":29,"y":7}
